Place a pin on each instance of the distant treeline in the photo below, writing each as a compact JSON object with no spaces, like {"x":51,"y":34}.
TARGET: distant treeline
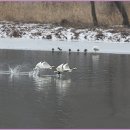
{"x":67,"y":13}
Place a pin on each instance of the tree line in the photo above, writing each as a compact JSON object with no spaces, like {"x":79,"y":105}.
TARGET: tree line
{"x":119,"y":5}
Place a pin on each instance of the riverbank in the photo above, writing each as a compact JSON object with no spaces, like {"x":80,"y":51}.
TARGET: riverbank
{"x":47,"y":45}
{"x":56,"y":32}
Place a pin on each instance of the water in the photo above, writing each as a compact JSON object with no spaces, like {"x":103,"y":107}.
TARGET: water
{"x":96,"y":95}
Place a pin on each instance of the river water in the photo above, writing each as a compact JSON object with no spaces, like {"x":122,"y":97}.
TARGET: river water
{"x":96,"y":95}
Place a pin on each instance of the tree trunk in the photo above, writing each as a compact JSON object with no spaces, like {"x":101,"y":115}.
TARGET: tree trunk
{"x":123,"y":12}
{"x":93,"y":12}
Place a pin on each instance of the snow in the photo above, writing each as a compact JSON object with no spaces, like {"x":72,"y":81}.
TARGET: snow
{"x":44,"y":37}
{"x":56,"y":32}
{"x":47,"y":45}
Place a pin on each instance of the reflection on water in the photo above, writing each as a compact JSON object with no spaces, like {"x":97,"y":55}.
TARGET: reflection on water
{"x":96,"y":95}
{"x":95,"y":62}
{"x":42,"y":82}
{"x":62,"y":86}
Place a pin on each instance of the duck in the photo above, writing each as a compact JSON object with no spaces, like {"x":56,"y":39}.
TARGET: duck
{"x":78,"y":50}
{"x":69,"y":51}
{"x":85,"y":51}
{"x":95,"y":48}
{"x":59,"y":49}
{"x":52,"y":49}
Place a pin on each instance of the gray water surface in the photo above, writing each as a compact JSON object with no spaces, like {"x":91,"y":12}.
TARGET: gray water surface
{"x":96,"y":95}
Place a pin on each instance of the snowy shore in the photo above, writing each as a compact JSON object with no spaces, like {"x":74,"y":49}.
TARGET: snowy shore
{"x":57,"y":32}
{"x":47,"y":45}
{"x":44,"y":37}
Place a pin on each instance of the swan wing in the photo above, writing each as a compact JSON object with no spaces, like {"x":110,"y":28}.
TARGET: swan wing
{"x":60,"y":68}
{"x":45,"y":65}
{"x":66,"y":67}
{"x":41,"y":65}
{"x":38,"y":65}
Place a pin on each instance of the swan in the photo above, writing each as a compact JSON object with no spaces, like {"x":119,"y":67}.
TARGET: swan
{"x":38,"y":65}
{"x":47,"y":66}
{"x":43,"y":65}
{"x":64,"y":68}
{"x":60,"y":68}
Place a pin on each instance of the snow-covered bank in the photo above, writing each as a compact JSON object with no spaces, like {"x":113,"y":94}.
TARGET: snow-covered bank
{"x":47,"y":45}
{"x":55,"y":32}
{"x":44,"y":37}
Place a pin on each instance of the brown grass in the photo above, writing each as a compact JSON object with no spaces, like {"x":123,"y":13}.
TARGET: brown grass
{"x":75,"y":13}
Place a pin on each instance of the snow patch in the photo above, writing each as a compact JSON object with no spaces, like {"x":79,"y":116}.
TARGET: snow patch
{"x":53,"y":32}
{"x":47,"y":45}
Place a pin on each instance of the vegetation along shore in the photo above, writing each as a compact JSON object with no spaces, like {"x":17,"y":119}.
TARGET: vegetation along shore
{"x":92,"y":21}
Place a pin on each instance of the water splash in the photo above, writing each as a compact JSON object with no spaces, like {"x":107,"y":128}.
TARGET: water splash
{"x":15,"y":70}
{"x":19,"y":70}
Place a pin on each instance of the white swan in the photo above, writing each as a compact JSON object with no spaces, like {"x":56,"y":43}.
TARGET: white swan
{"x":60,"y":68}
{"x":43,"y":65}
{"x":46,"y":65}
{"x":38,"y":65}
{"x":64,"y":68}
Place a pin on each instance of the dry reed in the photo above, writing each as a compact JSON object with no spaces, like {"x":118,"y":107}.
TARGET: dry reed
{"x":55,"y":12}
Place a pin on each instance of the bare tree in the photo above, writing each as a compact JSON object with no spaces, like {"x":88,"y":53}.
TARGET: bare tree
{"x":93,"y":12}
{"x":123,"y":12}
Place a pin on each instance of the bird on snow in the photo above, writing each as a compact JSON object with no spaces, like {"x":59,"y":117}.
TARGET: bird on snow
{"x":59,"y":49}
{"x":95,"y":48}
